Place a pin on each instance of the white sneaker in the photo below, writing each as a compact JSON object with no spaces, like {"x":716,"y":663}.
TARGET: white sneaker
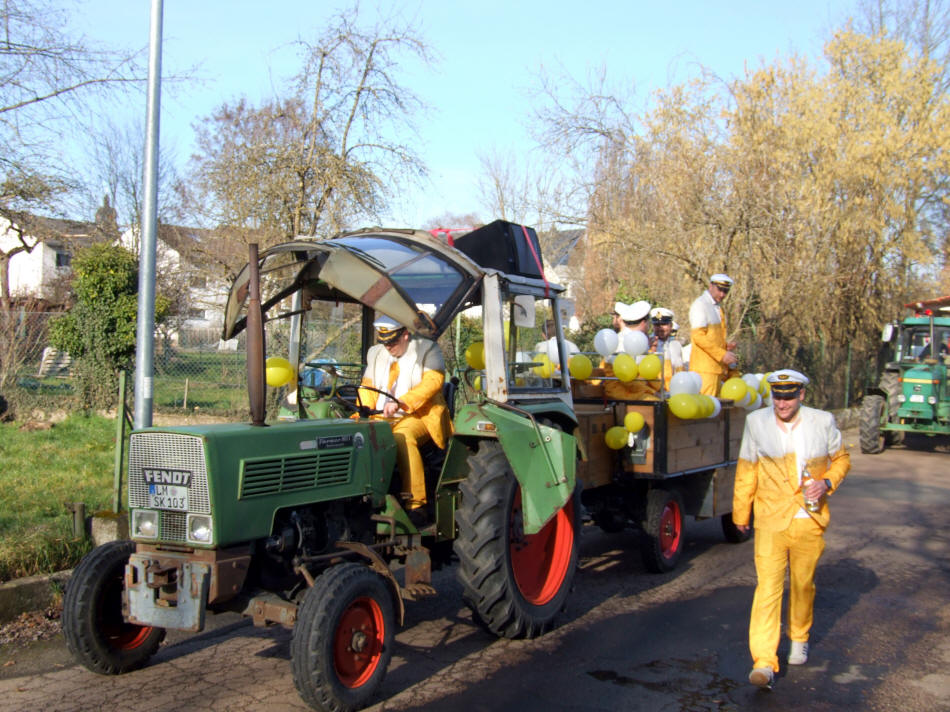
{"x":798,"y":653}
{"x":762,"y":677}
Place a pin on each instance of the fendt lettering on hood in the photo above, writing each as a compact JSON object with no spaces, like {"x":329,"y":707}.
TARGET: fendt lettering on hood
{"x":154,"y":476}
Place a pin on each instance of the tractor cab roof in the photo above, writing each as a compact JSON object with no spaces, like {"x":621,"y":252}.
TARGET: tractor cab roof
{"x":420,"y":279}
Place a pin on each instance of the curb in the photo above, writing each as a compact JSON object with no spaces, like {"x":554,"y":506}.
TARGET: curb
{"x":31,"y":593}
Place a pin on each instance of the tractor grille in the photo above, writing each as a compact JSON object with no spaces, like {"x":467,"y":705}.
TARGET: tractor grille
{"x":168,"y":451}
{"x":287,"y":474}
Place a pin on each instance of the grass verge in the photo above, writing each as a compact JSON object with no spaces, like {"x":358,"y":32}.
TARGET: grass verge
{"x":39,"y":471}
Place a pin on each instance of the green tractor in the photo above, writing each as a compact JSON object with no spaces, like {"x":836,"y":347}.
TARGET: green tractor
{"x":912,"y":395}
{"x":297,"y":520}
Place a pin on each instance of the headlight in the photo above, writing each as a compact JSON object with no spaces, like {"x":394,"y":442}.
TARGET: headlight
{"x":901,"y":398}
{"x":932,"y":400}
{"x":144,"y":524}
{"x":199,"y":528}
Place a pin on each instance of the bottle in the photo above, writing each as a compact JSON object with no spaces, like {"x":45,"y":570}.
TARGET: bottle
{"x":812,"y":505}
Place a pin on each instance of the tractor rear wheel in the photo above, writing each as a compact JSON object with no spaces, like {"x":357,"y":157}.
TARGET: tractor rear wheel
{"x":95,"y":631}
{"x":873,"y":413}
{"x":662,"y":538}
{"x":343,"y":638}
{"x":515,"y":583}
{"x":890,"y":384}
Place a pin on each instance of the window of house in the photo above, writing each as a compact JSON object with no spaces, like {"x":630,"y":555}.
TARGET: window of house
{"x":63,"y":259}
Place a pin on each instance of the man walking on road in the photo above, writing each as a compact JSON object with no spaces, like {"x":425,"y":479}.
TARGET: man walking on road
{"x":711,"y":356}
{"x":791,"y":457}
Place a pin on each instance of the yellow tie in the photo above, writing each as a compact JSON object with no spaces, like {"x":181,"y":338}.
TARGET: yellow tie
{"x":393,"y":375}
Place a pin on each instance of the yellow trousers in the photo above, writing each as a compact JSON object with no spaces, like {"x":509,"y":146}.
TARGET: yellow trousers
{"x":411,"y":433}
{"x":798,"y":548}
{"x":711,"y":383}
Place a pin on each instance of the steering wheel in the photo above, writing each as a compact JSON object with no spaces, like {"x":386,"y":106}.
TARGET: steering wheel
{"x":352,"y":391}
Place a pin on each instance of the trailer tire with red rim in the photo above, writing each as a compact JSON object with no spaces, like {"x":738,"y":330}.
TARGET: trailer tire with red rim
{"x":663,"y":530}
{"x":93,"y":626}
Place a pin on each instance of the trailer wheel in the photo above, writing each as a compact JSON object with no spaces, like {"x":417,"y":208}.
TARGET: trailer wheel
{"x":661,"y":541}
{"x":873,"y":413}
{"x":343,"y":638}
{"x":93,"y":626}
{"x":514,"y":583}
{"x":732,"y":533}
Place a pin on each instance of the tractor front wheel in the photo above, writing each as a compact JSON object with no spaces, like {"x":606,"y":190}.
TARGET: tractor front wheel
{"x":95,"y":631}
{"x":343,"y":638}
{"x":515,"y":583}
{"x":662,"y":538}
{"x":873,"y":414}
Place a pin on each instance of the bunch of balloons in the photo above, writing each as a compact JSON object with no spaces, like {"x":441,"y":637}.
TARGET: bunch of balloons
{"x":635,"y":343}
{"x":617,"y":437}
{"x":751,"y":391}
{"x":692,"y":406}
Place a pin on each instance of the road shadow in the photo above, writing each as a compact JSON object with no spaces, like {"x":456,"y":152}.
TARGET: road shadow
{"x":683,"y":655}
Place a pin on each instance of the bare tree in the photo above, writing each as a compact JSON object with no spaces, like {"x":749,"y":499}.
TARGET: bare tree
{"x":49,"y":80}
{"x":329,"y":152}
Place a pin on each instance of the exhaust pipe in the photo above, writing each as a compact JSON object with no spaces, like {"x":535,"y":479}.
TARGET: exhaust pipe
{"x":255,"y":339}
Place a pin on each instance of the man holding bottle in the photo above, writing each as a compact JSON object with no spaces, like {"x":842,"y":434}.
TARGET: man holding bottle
{"x":790,"y":455}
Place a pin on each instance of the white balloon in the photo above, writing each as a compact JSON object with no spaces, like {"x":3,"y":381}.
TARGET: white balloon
{"x":682,"y":382}
{"x":635,"y":342}
{"x":697,"y":380}
{"x":755,"y":403}
{"x":717,"y":407}
{"x":751,"y":381}
{"x":605,"y":342}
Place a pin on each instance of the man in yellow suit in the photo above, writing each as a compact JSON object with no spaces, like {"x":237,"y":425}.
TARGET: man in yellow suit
{"x":410,"y":372}
{"x":790,"y":455}
{"x":711,"y":356}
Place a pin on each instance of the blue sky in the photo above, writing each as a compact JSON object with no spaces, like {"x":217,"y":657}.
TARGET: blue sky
{"x":488,"y":54}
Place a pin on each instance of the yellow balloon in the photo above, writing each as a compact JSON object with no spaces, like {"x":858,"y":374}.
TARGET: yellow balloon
{"x":615,"y":437}
{"x":475,"y":355}
{"x":278,"y":371}
{"x":625,"y":367}
{"x":580,"y":367}
{"x":707,"y":406}
{"x":764,"y":387}
{"x":633,"y":422}
{"x":650,"y":366}
{"x":477,"y":385}
{"x":734,"y":389}
{"x":684,"y":406}
{"x":546,"y":369}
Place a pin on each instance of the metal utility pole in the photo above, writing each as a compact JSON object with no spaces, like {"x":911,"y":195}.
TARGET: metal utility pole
{"x":145,"y":333}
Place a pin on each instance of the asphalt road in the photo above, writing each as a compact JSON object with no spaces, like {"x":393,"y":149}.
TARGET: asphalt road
{"x":628,"y":640}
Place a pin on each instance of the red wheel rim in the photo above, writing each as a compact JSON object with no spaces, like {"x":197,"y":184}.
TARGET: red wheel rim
{"x":121,"y":635}
{"x":358,"y":642}
{"x":671,"y":529}
{"x":540,"y":562}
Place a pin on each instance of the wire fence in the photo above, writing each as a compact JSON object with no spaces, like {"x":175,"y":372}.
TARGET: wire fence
{"x":197,"y":373}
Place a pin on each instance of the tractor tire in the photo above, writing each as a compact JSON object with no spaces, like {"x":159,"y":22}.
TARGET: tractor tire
{"x":663,"y":531}
{"x":343,"y":638}
{"x":890,"y":384}
{"x":514,"y":583}
{"x":873,"y":413}
{"x":732,"y":533}
{"x":95,"y":632}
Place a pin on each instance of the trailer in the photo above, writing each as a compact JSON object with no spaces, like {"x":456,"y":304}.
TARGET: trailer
{"x":670,"y":469}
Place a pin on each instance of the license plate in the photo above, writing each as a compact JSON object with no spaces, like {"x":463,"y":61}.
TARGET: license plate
{"x":168,"y":497}
{"x":917,"y":398}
